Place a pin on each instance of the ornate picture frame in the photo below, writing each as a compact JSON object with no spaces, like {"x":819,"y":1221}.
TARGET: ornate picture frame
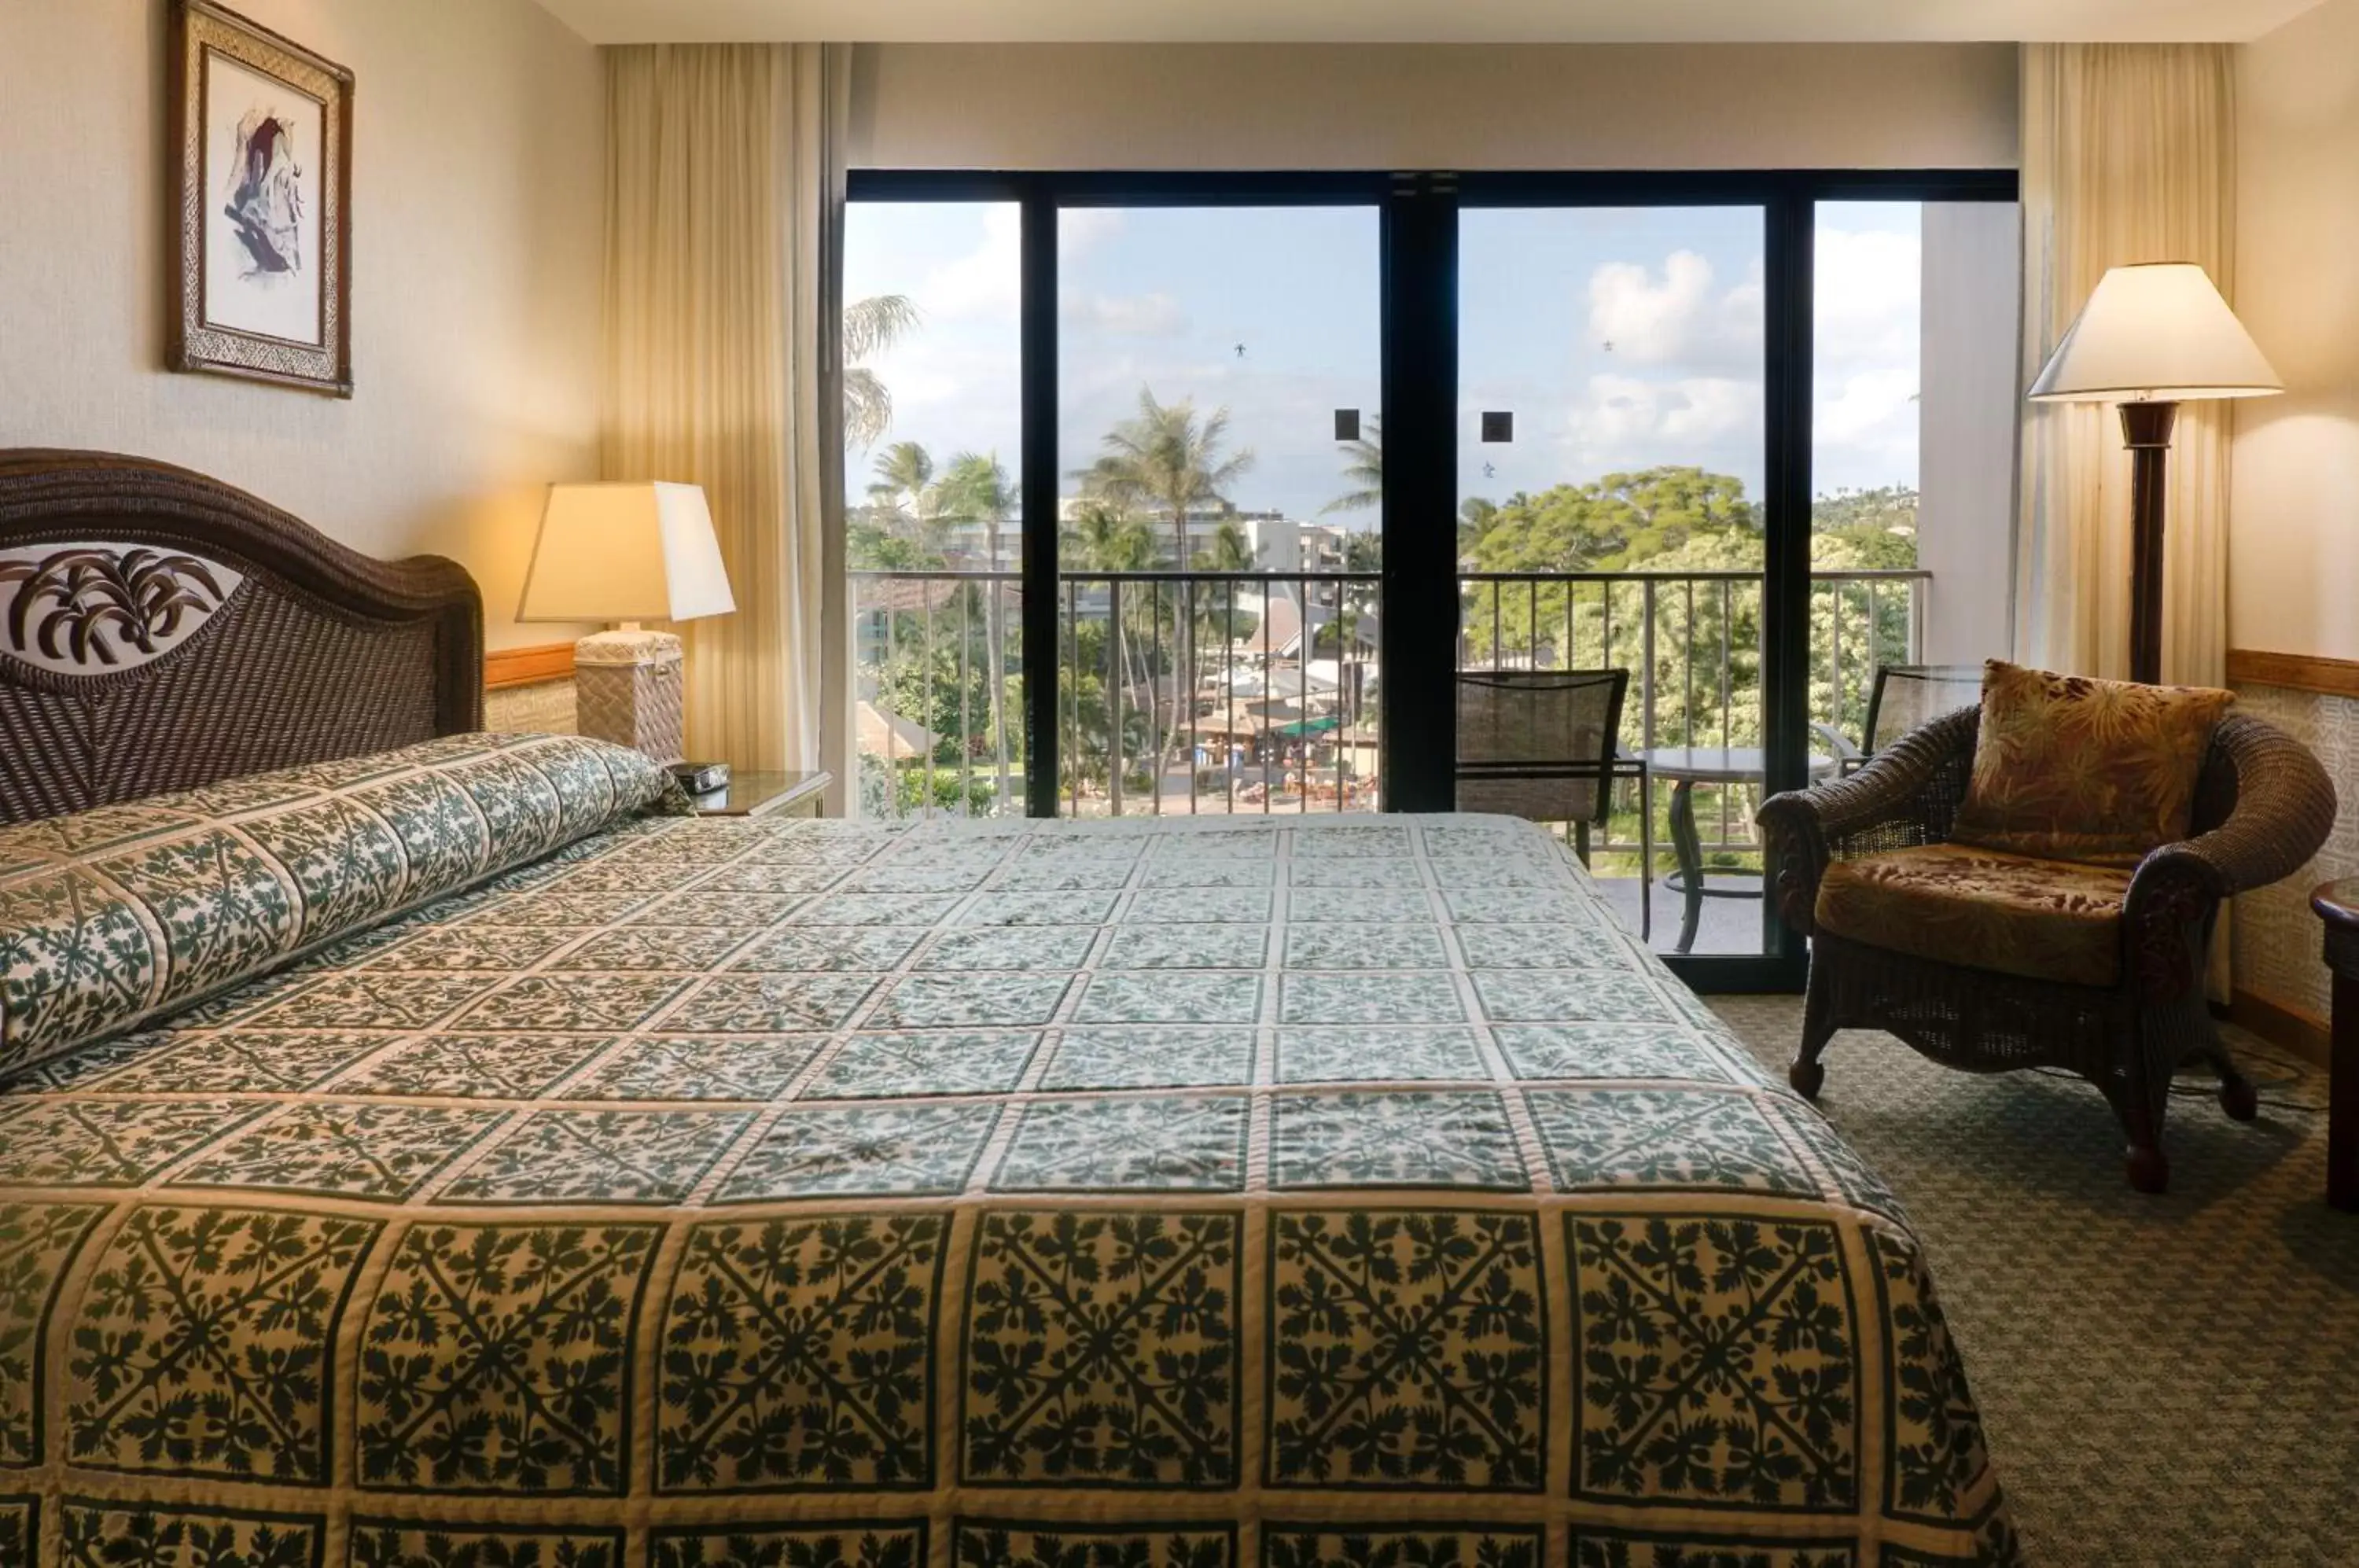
{"x":262,"y":133}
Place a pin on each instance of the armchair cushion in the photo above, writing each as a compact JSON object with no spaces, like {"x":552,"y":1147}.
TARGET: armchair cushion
{"x":1983,"y":909}
{"x":2069,"y":768}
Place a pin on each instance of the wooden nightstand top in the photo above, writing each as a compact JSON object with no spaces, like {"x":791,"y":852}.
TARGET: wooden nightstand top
{"x":767,"y":795}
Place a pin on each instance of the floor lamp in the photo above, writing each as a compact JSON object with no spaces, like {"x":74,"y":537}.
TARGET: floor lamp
{"x":2151,"y":338}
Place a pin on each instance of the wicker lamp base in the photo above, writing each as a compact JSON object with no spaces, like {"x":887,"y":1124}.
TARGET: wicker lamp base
{"x":628,"y":689}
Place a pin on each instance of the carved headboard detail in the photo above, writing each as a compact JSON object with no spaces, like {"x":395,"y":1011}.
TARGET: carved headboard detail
{"x":160,"y":630}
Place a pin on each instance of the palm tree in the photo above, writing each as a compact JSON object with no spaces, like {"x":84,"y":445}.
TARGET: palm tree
{"x":976,"y":486}
{"x":1364,"y":473}
{"x":905,"y":495}
{"x":1231,"y":552}
{"x":1168,"y":459}
{"x":1104,"y":536}
{"x":870,"y":327}
{"x":904,"y":472}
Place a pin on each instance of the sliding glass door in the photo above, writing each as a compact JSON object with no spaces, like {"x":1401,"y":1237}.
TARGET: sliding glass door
{"x":1611,"y":479}
{"x":933,"y":506}
{"x":1189,"y":494}
{"x":1221,"y":469}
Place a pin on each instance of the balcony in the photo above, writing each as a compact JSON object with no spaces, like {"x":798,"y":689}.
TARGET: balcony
{"x":1195,"y":692}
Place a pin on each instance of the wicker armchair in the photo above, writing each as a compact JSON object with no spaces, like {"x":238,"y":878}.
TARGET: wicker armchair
{"x":2262,"y":806}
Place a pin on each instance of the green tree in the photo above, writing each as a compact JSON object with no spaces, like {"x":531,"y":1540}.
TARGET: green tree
{"x":905,"y":504}
{"x":1105,"y":537}
{"x":1168,"y":459}
{"x":1230,"y":551}
{"x":871,"y":326}
{"x":976,"y":488}
{"x":1618,"y":522}
{"x":1475,"y":518}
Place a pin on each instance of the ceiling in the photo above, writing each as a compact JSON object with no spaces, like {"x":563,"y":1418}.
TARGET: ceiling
{"x":1424,"y":21}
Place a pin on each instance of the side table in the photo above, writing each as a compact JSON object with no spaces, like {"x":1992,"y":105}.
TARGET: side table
{"x":2337,"y":904}
{"x":767,"y":795}
{"x":1683,"y":767}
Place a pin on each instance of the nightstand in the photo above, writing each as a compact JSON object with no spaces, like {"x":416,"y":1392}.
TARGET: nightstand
{"x":767,"y":795}
{"x":2337,"y":904}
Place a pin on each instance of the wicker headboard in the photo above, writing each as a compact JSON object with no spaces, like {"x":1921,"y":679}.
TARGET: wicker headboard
{"x":160,"y":630}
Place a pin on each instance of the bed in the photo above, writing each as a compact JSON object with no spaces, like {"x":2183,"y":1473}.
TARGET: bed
{"x":425,"y":1148}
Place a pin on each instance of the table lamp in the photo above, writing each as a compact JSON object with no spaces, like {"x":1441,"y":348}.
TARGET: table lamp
{"x":2150,"y":338}
{"x":627,"y":552}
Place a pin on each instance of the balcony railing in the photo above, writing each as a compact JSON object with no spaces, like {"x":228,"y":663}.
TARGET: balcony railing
{"x":1692,"y":642}
{"x":1211,"y":692}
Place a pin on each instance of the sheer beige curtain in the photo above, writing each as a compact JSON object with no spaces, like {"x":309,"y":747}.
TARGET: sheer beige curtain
{"x":2128,"y":156}
{"x":725,"y":196}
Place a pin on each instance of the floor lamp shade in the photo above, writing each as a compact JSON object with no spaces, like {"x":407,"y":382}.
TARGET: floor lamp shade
{"x":2150,"y":338}
{"x":628,"y":553}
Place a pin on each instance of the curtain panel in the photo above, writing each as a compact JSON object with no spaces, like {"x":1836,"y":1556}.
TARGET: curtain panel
{"x":725,"y":202}
{"x":2128,"y":156}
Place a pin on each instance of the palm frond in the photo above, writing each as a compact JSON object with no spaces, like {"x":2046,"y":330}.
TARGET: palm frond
{"x":875,"y":324}
{"x":867,"y":408}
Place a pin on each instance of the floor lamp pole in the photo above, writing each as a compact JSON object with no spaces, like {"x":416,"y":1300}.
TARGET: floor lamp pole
{"x":2146,"y":430}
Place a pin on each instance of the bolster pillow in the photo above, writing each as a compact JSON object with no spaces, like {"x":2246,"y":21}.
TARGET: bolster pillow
{"x":112,"y":917}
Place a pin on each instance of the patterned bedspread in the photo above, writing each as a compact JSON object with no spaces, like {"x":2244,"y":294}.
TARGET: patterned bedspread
{"x":715,"y":1192}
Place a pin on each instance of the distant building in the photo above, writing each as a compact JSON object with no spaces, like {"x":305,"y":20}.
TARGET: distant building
{"x":1274,"y":541}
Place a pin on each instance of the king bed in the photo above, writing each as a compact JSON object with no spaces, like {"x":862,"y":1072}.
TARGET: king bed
{"x":423,"y":1147}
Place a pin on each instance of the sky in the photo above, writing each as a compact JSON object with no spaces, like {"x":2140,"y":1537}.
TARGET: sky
{"x":1618,"y":338}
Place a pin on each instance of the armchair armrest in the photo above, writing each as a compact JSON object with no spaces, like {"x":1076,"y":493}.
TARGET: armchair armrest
{"x":1908,"y":794}
{"x":2284,"y":811}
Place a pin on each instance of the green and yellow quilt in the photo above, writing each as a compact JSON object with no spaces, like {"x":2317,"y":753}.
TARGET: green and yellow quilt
{"x":704,"y":1191}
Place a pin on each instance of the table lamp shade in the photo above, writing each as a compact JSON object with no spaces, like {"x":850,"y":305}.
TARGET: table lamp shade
{"x":627,"y":552}
{"x":2154,"y":333}
{"x":638,"y":551}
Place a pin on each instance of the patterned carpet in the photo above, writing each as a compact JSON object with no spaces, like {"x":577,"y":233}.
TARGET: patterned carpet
{"x":2165,"y":1380}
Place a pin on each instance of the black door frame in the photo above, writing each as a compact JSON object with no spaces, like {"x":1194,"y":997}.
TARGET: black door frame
{"x":1418,"y":236}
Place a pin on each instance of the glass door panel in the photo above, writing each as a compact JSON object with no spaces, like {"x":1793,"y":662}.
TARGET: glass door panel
{"x":1914,"y":411}
{"x":1611,"y":454}
{"x":1219,"y":385}
{"x":934,"y":512}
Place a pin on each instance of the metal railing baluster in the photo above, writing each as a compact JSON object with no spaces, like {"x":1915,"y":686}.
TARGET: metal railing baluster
{"x":966,"y":687}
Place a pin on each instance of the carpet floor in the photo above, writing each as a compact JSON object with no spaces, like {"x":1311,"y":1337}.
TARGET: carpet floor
{"x":2162,"y":1381}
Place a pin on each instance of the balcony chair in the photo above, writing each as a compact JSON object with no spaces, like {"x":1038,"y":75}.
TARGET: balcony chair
{"x":1545,"y":745}
{"x":1990,"y":961}
{"x":1904,"y":697}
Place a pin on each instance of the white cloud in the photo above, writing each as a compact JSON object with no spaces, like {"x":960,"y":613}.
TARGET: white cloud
{"x":1626,"y":422}
{"x":1866,"y":408}
{"x":1682,"y":318}
{"x":1867,"y":300}
{"x":1135,"y":315}
{"x":988,"y":280}
{"x":1079,"y":228}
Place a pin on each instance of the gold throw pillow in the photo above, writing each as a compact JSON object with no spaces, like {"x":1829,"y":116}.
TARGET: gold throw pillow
{"x":2071,"y":768}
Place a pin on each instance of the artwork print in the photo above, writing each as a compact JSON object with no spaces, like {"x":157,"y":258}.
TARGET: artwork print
{"x":263,"y":270}
{"x":262,"y":174}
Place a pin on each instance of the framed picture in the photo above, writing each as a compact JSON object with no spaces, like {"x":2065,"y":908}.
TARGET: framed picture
{"x":263,"y":134}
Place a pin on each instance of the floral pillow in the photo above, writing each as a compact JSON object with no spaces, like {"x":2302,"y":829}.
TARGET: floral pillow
{"x":2070,"y":768}
{"x":113,"y":916}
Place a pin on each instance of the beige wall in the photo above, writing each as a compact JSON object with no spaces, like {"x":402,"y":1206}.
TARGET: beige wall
{"x":477,"y":185}
{"x":2293,"y":539}
{"x":1395,"y":106}
{"x":2293,"y":542}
